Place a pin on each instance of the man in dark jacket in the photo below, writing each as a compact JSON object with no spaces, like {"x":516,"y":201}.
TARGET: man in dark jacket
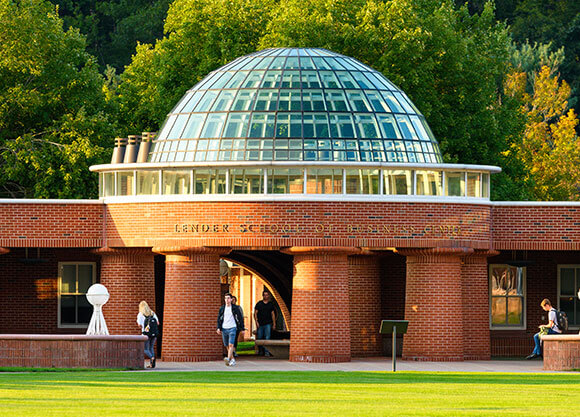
{"x":230,"y":320}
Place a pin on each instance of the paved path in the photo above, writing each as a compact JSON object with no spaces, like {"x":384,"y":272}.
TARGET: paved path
{"x":367,"y":364}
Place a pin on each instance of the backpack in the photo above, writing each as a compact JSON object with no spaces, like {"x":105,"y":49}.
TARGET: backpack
{"x":151,"y":326}
{"x":561,"y":320}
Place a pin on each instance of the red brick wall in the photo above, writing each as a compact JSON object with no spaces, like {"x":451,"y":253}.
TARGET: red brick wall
{"x":364,"y":281}
{"x":433,"y":307}
{"x":54,"y":225}
{"x":29,"y":290}
{"x":129,"y":277}
{"x":320,"y":308}
{"x":192,"y":302}
{"x":536,"y":227}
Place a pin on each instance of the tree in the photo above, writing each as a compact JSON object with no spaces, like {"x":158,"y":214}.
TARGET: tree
{"x":53,"y":118}
{"x":549,"y":147}
{"x":200,"y":36}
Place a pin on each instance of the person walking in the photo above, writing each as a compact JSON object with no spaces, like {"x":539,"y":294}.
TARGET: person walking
{"x":265,"y":317}
{"x":229,"y":321}
{"x":550,"y":328}
{"x":149,"y":323}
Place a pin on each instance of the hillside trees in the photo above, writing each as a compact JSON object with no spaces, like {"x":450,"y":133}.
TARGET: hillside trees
{"x":53,"y":118}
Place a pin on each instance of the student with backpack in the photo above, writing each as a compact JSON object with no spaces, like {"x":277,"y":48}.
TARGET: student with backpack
{"x":149,"y":323}
{"x":553,"y":327}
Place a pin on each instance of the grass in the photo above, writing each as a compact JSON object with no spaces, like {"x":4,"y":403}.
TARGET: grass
{"x":289,"y":394}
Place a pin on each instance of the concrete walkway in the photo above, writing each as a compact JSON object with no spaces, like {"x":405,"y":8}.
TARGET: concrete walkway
{"x":367,"y":364}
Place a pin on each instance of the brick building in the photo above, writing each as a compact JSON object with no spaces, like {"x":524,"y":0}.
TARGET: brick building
{"x":317,"y":174}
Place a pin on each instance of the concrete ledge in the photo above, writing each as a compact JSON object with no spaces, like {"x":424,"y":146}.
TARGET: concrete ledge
{"x":71,"y":351}
{"x":561,"y":352}
{"x":280,"y":349}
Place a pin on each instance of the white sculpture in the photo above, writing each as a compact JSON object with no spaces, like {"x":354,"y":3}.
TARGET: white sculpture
{"x":98,"y":296}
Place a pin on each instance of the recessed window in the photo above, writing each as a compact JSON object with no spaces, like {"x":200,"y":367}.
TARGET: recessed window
{"x":507,"y":296}
{"x":74,"y":280}
{"x":569,"y":285}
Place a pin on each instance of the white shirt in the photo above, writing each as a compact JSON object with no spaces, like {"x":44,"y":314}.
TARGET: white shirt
{"x":229,"y":321}
{"x":141,"y":320}
{"x":552,"y":317}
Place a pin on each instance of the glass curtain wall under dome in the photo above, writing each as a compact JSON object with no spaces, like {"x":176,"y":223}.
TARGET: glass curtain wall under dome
{"x":294,"y":121}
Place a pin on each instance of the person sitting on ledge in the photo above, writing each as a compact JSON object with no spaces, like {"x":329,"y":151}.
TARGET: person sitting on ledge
{"x":550,"y":328}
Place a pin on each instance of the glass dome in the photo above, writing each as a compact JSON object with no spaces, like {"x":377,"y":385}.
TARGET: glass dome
{"x":293,"y":104}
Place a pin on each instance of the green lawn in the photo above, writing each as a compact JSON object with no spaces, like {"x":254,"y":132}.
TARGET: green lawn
{"x":141,"y":394}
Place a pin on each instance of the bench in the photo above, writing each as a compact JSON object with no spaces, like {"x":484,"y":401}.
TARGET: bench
{"x":561,"y":352}
{"x":280,"y":349}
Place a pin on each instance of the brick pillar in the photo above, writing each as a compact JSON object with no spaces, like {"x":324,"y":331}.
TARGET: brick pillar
{"x":4,"y":251}
{"x":475,"y":294}
{"x":129,"y":275}
{"x":192,"y":301}
{"x":364,"y":280}
{"x":320,"y":305}
{"x":433,"y":305}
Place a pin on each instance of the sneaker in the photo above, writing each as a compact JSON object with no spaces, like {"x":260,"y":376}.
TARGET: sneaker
{"x":153,"y":363}
{"x":232,"y":362}
{"x":227,"y":361}
{"x":268,"y":354}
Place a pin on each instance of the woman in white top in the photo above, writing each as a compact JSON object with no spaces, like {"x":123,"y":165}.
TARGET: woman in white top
{"x":145,"y":312}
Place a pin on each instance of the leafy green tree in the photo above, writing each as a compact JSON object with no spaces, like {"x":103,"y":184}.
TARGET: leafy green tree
{"x":53,"y":111}
{"x":200,"y":36}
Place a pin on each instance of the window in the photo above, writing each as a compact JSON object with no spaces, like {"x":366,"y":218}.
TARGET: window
{"x":507,"y":296}
{"x":74,"y":280}
{"x":568,"y":286}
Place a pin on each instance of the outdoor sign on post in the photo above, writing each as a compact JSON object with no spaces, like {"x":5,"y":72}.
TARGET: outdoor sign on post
{"x":395,"y":327}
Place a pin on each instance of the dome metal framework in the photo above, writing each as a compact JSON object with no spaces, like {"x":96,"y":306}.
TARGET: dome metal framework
{"x":292,"y":104}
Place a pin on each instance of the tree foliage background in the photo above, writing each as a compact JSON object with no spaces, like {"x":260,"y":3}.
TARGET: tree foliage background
{"x":497,"y":84}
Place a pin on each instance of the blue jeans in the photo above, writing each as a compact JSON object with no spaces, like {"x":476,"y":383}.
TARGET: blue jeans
{"x":229,"y":336}
{"x":149,"y":347}
{"x":264,"y":332}
{"x":537,"y":341}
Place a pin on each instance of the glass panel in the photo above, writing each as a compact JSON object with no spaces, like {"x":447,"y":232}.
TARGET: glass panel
{"x":206,"y":102}
{"x":485,"y":185}
{"x":324,"y":181}
{"x":246,"y":181}
{"x":362,"y":181}
{"x":346,"y":79}
{"x":125,"y":183}
{"x":213,"y":125}
{"x":109,"y":186}
{"x":306,"y":63}
{"x":254,"y":79}
{"x":291,"y":79}
{"x":419,"y":128}
{"x":175,"y":132}
{"x":392,"y":102}
{"x":398,"y":182}
{"x":267,"y":100}
{"x":455,"y":183}
{"x":336,"y":101}
{"x":429,"y":183}
{"x":194,"y":125}
{"x":377,"y":101}
{"x":515,"y":311}
{"x":237,"y":125}
{"x":289,"y":100}
{"x":341,"y":126}
{"x":406,"y":127}
{"x":176,"y":182}
{"x":310,"y":80}
{"x":285,"y":181}
{"x":68,"y":279}
{"x":224,"y":100}
{"x":358,"y":101}
{"x":278,"y":63}
{"x":68,"y":309}
{"x":389,"y":126}
{"x":147,"y":182}
{"x":85,"y":310}
{"x":362,"y":81}
{"x":316,"y":126}
{"x":567,"y":305}
{"x":236,"y":81}
{"x":329,"y":80}
{"x":222,"y":80}
{"x":85,"y":278}
{"x":568,"y":282}
{"x":272,"y":79}
{"x":403,"y":102}
{"x":334,"y":64}
{"x":201,"y":181}
{"x":264,"y":63}
{"x":292,"y":63}
{"x":321,"y":63}
{"x":498,"y":310}
{"x":366,"y":126}
{"x":244,"y":100}
{"x":262,"y":125}
{"x":191,"y":103}
{"x":473,"y":184}
{"x":289,"y":125}
{"x":313,"y":100}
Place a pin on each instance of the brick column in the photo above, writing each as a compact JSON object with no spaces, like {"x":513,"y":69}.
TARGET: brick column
{"x":129,"y":275}
{"x":192,"y":301}
{"x":364,"y":280}
{"x":320,"y":305}
{"x":4,"y":251}
{"x":475,"y":294}
{"x":434,"y":304}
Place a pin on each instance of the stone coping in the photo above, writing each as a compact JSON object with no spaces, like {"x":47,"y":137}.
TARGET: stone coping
{"x":135,"y":338}
{"x":561,"y":337}
{"x":273,"y":342}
